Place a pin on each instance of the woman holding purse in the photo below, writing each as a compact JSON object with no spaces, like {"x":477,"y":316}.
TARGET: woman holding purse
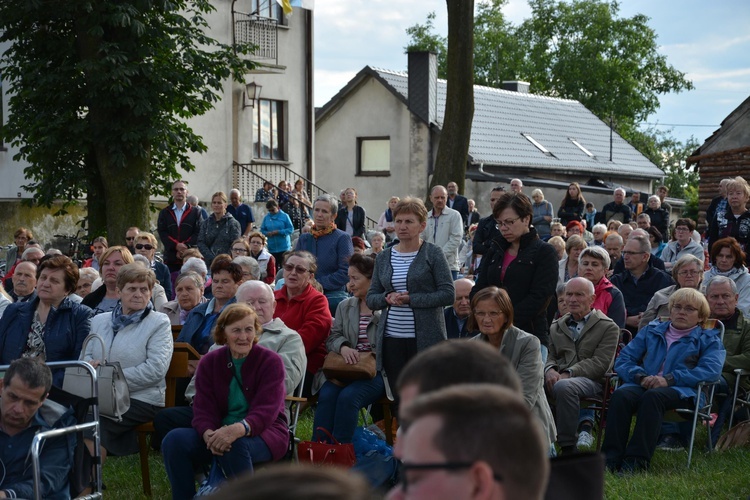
{"x":353,"y":337}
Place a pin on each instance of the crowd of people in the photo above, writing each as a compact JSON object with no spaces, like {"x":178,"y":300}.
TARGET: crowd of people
{"x":547,"y":296}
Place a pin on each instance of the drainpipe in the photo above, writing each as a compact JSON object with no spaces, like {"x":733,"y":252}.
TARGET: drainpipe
{"x":310,"y":106}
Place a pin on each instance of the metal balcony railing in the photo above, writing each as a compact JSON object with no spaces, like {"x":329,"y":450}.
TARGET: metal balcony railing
{"x":260,"y":32}
{"x":249,"y":177}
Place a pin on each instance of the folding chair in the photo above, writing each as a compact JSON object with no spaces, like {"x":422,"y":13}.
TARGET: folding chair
{"x":178,"y":368}
{"x":81,"y":452}
{"x":599,"y":404}
{"x":700,"y":411}
{"x":743,"y":401}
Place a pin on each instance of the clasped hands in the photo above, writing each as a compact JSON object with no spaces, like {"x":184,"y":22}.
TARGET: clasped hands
{"x":552,"y":376}
{"x":653,"y":381}
{"x":397,"y":298}
{"x":220,"y":441}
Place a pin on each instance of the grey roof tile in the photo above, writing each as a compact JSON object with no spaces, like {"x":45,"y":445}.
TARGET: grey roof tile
{"x":501,"y":116}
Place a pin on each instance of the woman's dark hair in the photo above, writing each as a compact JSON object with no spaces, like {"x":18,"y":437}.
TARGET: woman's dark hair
{"x":223,"y":262}
{"x":658,"y":237}
{"x":365,"y":264}
{"x":518,"y":202}
{"x":733,"y":246}
{"x":271,"y":204}
{"x":689,"y":223}
{"x":64,"y":263}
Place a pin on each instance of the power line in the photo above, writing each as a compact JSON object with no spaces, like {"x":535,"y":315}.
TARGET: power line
{"x":677,"y":125}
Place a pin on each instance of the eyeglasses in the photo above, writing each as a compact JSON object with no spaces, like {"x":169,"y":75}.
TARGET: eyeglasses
{"x":627,"y":252}
{"x":687,"y":309}
{"x":689,"y":273}
{"x":256,"y":242}
{"x":289,"y":268}
{"x":681,"y":229}
{"x":506,"y":222}
{"x":490,"y":314}
{"x":449,"y":466}
{"x":239,"y":250}
{"x":129,"y":238}
{"x":141,"y":246}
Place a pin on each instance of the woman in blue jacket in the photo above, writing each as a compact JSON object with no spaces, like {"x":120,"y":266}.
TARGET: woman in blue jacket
{"x":51,"y":326}
{"x":277,"y":226}
{"x":661,"y":368}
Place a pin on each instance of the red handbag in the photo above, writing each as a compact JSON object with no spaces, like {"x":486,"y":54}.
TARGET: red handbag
{"x":320,"y":453}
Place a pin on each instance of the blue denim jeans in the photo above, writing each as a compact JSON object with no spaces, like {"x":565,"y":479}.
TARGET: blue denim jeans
{"x":338,"y":407}
{"x":184,"y":452}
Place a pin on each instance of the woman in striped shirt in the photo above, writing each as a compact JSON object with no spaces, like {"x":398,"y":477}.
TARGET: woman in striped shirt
{"x":352,"y":335}
{"x":413,"y":283}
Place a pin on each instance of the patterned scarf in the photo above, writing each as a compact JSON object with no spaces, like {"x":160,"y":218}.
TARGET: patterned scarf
{"x":317,"y":233}
{"x":121,"y":320}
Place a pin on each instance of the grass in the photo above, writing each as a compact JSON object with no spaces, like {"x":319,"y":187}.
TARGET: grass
{"x":724,"y":475}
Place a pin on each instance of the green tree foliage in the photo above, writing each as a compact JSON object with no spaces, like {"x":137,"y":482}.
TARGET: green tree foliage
{"x":99,"y":95}
{"x":579,"y":49}
{"x":424,"y":39}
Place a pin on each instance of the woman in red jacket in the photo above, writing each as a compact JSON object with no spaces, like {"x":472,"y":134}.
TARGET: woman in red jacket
{"x":304,"y":309}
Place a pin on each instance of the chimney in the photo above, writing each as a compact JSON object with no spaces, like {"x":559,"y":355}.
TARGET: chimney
{"x":516,"y":86}
{"x":423,"y":85}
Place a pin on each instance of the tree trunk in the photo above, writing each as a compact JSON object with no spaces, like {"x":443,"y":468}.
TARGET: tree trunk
{"x":453,"y":150}
{"x":95,"y":201}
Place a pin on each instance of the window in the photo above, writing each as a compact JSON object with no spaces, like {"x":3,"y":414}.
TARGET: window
{"x":374,"y":156}
{"x":268,"y":8}
{"x":268,"y":130}
{"x":538,"y":145}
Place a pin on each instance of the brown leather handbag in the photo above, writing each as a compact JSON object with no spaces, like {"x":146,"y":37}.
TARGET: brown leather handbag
{"x":336,"y":368}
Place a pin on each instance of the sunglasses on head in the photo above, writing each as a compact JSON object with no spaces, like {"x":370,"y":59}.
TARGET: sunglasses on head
{"x":141,"y":246}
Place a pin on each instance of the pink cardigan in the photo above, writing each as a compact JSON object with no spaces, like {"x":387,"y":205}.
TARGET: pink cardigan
{"x":263,"y":384}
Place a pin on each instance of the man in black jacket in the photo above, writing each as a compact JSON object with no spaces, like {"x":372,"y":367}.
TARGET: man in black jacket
{"x":179,"y":226}
{"x":456,"y":316}
{"x":457,"y":202}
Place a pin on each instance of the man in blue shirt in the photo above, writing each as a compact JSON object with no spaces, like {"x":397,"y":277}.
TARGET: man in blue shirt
{"x":240,"y":211}
{"x":24,"y":411}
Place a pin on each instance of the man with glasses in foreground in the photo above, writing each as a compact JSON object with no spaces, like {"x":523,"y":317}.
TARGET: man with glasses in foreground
{"x":639,"y":281}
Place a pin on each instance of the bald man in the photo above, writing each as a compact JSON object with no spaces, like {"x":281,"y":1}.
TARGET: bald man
{"x":445,"y":227}
{"x":457,"y":315}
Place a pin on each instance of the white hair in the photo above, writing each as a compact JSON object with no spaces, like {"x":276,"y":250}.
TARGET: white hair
{"x":196,"y":265}
{"x":619,"y":189}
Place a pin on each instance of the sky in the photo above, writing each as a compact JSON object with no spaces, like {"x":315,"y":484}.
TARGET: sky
{"x":707,"y":40}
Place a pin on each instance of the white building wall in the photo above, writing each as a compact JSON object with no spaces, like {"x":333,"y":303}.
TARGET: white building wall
{"x":370,"y":111}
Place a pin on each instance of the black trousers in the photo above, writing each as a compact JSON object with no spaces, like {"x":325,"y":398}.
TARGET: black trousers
{"x":396,"y":353}
{"x":649,"y":407}
{"x":167,"y":419}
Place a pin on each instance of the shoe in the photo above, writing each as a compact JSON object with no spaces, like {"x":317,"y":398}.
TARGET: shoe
{"x":633,"y":466}
{"x":670,"y":442}
{"x":585,"y":440}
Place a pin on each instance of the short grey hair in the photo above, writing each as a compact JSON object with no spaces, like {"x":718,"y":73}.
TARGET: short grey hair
{"x":619,"y":189}
{"x":333,"y":202}
{"x":599,"y":227}
{"x":236,"y":191}
{"x":658,"y":200}
{"x":596,"y":252}
{"x":88,"y":273}
{"x":536,"y":192}
{"x":143,"y":260}
{"x":643,"y":243}
{"x":192,"y":199}
{"x":589,"y":284}
{"x":644,"y":216}
{"x":196,"y":265}
{"x":616,"y":237}
{"x":686,"y":260}
{"x":190,"y":275}
{"x":718,"y":280}
{"x":254,"y":284}
{"x":29,"y":251}
{"x":247,"y":262}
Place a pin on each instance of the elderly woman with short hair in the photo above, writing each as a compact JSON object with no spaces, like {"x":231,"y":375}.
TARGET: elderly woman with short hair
{"x":661,"y":368}
{"x":140,"y":339}
{"x":86,"y":278}
{"x":331,"y":248}
{"x":250,"y":268}
{"x":593,"y":264}
{"x":687,"y":272}
{"x":568,"y":267}
{"x":104,"y":298}
{"x":659,"y":216}
{"x":188,"y":295}
{"x":735,"y":220}
{"x":543,"y":213}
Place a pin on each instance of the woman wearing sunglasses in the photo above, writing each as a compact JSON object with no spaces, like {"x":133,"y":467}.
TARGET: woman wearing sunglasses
{"x":145,"y":244}
{"x":303,"y":308}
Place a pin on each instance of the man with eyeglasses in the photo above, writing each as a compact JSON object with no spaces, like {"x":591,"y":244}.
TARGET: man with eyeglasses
{"x":445,"y":228}
{"x":682,"y":245}
{"x":471,"y":441}
{"x":640,"y":280}
{"x":179,"y":225}
{"x":275,"y":336}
